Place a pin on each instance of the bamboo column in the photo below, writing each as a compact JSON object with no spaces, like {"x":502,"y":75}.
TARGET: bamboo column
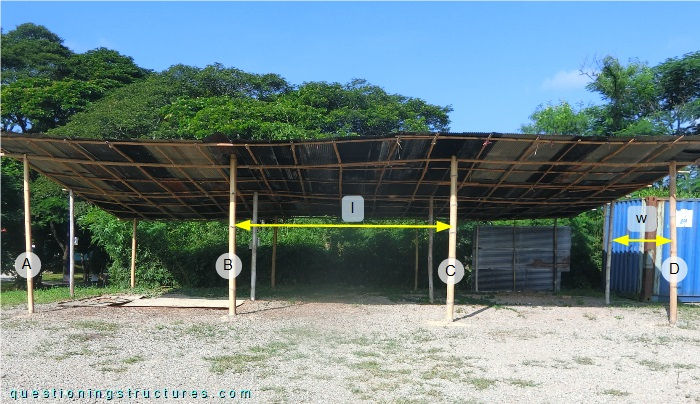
{"x":71,"y":246}
{"x":254,"y":249}
{"x":232,"y":236}
{"x":673,"y":279}
{"x":452,"y":246}
{"x":431,"y":233}
{"x":133,"y":253}
{"x":28,"y":236}
{"x":415,"y":272}
{"x":608,"y":258}
{"x":274,"y":256}
{"x":475,"y":258}
{"x":554,"y":256}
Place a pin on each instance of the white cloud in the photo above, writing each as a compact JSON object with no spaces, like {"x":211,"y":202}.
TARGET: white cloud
{"x":566,"y":80}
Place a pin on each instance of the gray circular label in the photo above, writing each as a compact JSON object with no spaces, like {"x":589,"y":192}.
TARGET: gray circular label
{"x":451,"y":271}
{"x":28,"y":264}
{"x":224,"y":265}
{"x":674,"y":265}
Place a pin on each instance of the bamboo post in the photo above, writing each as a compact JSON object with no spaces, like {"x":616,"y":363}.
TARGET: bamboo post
{"x":475,"y":259}
{"x":673,"y":279}
{"x":512,"y":257}
{"x":71,"y":247}
{"x":232,"y":236}
{"x":431,"y":233}
{"x":274,"y":256}
{"x":134,"y":223}
{"x":452,"y":246}
{"x":415,"y":272}
{"x":254,"y":249}
{"x":28,"y":236}
{"x":608,"y":258}
{"x":554,"y":256}
{"x":649,"y":255}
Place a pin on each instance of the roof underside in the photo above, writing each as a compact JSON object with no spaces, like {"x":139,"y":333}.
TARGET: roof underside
{"x":500,"y":176}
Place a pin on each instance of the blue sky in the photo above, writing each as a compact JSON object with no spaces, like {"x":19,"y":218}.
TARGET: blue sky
{"x":493,"y":62}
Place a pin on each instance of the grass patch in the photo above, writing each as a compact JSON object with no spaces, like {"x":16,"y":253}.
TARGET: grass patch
{"x":68,"y":354}
{"x":365,"y":354}
{"x":654,"y":365}
{"x":534,"y":363}
{"x":202,"y":331}
{"x":237,"y":363}
{"x":522,"y":383}
{"x":439,"y":372}
{"x":240,"y":362}
{"x":113,"y":369}
{"x":687,"y":366}
{"x":9,"y":297}
{"x":370,"y":366}
{"x":583,"y":360}
{"x":481,"y":383}
{"x":590,"y":316}
{"x":133,"y":359}
{"x":615,"y":392}
{"x":96,"y":325}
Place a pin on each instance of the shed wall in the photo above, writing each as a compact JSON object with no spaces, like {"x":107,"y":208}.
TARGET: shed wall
{"x":519,"y":258}
{"x":627,"y":261}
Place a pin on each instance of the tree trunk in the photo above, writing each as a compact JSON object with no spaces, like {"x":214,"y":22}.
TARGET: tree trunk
{"x":64,"y":247}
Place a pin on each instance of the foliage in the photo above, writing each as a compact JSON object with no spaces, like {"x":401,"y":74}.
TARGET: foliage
{"x":637,"y":100}
{"x":37,"y":105}
{"x":679,"y":90}
{"x":11,"y":215}
{"x":189,"y":103}
{"x":560,"y":119}
{"x":32,"y":51}
{"x":630,"y":91}
{"x":44,"y":83}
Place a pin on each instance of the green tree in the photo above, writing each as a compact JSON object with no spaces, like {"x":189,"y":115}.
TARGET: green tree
{"x":632,"y":98}
{"x":560,"y":119}
{"x":37,"y":104}
{"x":33,"y":51}
{"x":679,"y":90}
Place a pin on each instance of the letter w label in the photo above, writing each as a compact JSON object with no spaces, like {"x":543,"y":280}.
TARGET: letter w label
{"x":641,"y":219}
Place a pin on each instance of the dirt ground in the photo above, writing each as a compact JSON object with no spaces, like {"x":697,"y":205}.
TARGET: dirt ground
{"x":365,"y":348}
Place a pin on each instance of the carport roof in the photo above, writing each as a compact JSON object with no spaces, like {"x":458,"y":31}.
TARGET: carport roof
{"x":500,"y":176}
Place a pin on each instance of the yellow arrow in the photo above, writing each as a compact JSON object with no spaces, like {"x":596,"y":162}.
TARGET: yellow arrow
{"x":626,"y":240}
{"x":438,"y":226}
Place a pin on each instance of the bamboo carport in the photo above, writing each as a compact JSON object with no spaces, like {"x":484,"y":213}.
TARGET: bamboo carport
{"x":470,"y":176}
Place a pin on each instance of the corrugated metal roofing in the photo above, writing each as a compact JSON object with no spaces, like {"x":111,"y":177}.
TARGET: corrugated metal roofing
{"x":501,"y":176}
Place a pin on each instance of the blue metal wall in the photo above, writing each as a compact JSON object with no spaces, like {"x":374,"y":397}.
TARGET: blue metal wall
{"x":627,"y":261}
{"x":688,"y":249}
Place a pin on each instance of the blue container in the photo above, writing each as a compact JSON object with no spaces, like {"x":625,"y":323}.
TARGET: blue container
{"x":688,"y":249}
{"x":627,"y":261}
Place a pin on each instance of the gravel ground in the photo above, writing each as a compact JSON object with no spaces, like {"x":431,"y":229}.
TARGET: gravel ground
{"x":364,"y":348}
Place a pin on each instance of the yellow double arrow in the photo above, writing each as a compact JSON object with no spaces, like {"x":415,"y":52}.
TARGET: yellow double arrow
{"x":438,"y":226}
{"x":626,"y":240}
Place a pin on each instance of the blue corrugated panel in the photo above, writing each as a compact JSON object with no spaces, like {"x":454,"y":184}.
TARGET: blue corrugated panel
{"x":626,"y":263}
{"x":688,"y":249}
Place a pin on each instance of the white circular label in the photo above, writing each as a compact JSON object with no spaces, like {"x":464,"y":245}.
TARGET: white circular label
{"x":674,"y":265}
{"x":451,"y":271}
{"x":28,"y":264}
{"x":224,"y":265}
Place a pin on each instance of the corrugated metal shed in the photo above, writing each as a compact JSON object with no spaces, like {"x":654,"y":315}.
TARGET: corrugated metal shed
{"x":501,"y":176}
{"x":519,"y":258}
{"x":627,"y":261}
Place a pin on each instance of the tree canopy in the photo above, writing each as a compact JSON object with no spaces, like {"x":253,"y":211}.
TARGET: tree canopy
{"x":637,"y":100}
